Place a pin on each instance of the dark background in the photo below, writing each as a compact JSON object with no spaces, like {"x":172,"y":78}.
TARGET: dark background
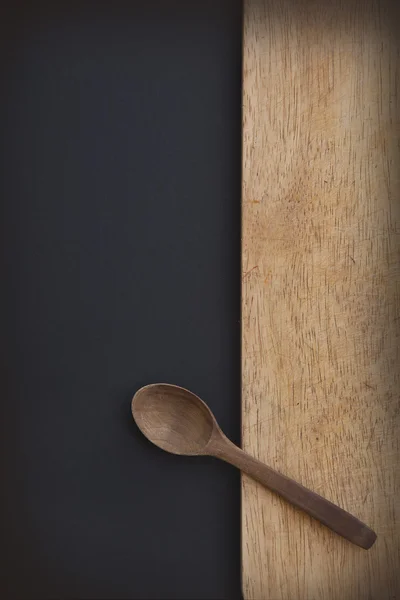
{"x":120,"y":266}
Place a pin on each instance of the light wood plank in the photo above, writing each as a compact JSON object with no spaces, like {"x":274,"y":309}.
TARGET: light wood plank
{"x":321,"y":291}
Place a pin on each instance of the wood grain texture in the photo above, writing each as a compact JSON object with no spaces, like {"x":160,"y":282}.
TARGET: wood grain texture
{"x":321,"y":291}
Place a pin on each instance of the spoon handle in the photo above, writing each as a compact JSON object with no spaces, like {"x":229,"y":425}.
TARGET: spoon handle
{"x":313,"y":504}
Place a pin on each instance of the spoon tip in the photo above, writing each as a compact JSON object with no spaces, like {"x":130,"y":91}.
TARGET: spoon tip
{"x":173,"y":418}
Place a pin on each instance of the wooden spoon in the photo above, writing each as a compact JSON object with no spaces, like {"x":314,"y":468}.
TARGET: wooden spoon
{"x":180,"y":422}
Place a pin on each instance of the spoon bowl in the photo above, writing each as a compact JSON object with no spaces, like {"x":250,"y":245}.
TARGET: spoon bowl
{"x":173,"y":418}
{"x":180,"y":422}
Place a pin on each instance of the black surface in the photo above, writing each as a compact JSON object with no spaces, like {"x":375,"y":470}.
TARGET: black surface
{"x":120,"y":233}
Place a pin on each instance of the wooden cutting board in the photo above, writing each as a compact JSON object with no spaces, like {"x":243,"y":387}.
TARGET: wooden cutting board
{"x":320,"y":291}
